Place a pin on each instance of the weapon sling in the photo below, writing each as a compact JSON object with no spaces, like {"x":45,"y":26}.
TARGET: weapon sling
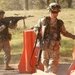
{"x":41,"y":45}
{"x":34,"y":46}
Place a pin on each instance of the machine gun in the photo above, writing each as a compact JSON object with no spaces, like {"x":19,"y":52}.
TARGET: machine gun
{"x":6,"y":20}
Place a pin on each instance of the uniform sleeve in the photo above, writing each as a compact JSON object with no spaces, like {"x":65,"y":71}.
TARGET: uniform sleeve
{"x":38,"y":25}
{"x":2,"y":27}
{"x":38,"y":28}
{"x":65,"y":33}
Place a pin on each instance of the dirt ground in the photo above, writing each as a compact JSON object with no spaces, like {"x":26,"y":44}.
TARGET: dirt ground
{"x":61,"y":70}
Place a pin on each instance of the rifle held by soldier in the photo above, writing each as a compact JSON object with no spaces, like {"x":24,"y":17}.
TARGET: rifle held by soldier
{"x":6,"y":20}
{"x":41,"y":45}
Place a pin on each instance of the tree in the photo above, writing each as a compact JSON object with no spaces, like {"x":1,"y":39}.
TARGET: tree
{"x":58,"y":1}
{"x":48,"y":2}
{"x":69,"y":3}
{"x":11,"y":5}
{"x":55,"y":1}
{"x":3,"y":4}
{"x":14,"y":5}
{"x":26,"y":4}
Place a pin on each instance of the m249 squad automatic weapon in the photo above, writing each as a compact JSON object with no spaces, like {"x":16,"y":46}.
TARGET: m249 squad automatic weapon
{"x":15,"y":19}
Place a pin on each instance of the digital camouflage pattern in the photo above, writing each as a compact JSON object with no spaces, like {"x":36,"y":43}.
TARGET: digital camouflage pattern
{"x":52,"y":37}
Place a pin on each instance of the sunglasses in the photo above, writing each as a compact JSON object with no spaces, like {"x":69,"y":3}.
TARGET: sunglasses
{"x":56,"y":6}
{"x":54,"y":12}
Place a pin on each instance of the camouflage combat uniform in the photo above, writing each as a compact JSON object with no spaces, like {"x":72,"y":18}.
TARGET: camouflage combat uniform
{"x":5,"y":37}
{"x":50,"y":53}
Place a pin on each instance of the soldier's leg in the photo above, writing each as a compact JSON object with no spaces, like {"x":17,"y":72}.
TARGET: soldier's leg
{"x":55,"y":63}
{"x":1,"y":45}
{"x":7,"y":50}
{"x":54,"y":59}
{"x":45,"y":60}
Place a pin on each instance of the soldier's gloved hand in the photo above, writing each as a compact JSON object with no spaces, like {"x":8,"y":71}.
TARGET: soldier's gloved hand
{"x":35,"y":30}
{"x":2,"y":27}
{"x":74,"y":37}
{"x":14,"y":21}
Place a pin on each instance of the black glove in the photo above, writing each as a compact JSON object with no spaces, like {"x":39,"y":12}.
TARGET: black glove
{"x":73,"y":37}
{"x":14,"y":21}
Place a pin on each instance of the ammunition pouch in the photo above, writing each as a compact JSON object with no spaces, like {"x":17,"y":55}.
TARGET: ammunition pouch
{"x":5,"y":37}
{"x":9,"y":36}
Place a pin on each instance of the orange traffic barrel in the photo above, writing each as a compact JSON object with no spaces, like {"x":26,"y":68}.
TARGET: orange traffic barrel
{"x":24,"y":64}
{"x":28,"y":64}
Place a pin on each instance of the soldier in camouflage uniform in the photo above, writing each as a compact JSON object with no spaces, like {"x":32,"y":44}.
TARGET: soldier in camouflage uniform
{"x":54,"y":27}
{"x":5,"y":37}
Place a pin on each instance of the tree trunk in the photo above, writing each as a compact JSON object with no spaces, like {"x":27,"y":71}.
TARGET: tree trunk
{"x":58,"y":1}
{"x":69,"y":3}
{"x":26,"y":5}
{"x":47,"y":2}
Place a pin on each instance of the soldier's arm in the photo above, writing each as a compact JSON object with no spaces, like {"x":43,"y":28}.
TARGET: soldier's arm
{"x":2,"y":27}
{"x":38,"y":26}
{"x":66,"y":33}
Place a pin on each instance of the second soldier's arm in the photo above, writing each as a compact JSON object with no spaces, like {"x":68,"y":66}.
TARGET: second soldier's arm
{"x":66,"y":33}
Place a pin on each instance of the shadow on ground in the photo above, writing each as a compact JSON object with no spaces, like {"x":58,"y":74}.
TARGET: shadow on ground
{"x":62,"y":69}
{"x":15,"y":58}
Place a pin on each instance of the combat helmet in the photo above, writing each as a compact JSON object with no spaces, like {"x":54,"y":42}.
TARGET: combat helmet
{"x":54,"y":6}
{"x":2,"y":12}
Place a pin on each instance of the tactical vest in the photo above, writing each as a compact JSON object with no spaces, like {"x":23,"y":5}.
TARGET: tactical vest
{"x":47,"y":30}
{"x":5,"y":34}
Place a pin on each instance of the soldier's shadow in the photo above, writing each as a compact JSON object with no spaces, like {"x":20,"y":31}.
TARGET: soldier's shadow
{"x":62,"y":69}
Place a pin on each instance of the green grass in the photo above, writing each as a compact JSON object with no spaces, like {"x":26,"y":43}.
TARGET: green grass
{"x":66,"y":48}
